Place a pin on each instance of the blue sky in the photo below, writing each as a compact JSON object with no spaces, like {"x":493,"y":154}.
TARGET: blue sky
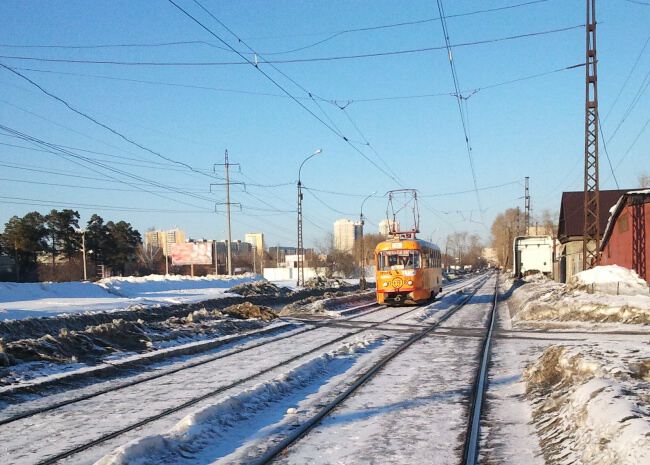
{"x":191,"y":114}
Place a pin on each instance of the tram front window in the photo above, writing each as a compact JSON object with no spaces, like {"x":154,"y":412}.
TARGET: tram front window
{"x":399,"y":260}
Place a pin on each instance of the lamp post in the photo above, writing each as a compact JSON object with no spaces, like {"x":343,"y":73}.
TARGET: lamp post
{"x":83,"y":250}
{"x":299,"y":249}
{"x":362,"y":279}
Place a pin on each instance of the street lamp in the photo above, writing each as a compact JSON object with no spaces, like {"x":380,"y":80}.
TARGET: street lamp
{"x":83,"y":250}
{"x":362,"y":279}
{"x":299,"y":249}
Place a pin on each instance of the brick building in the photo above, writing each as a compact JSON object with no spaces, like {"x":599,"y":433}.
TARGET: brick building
{"x":626,"y":240}
{"x":570,"y":228}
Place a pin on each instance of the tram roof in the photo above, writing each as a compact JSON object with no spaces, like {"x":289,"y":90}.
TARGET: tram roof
{"x":409,"y":244}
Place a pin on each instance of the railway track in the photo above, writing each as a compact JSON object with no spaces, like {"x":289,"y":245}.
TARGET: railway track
{"x":477,"y":392}
{"x":354,"y":312}
{"x":218,"y":390}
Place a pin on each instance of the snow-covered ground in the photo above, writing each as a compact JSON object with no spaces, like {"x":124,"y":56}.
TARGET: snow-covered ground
{"x":571,"y":371}
{"x":261,"y":402}
{"x":24,"y":300}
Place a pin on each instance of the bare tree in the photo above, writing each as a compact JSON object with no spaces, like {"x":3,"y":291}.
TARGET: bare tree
{"x":644,"y":180}
{"x":505,"y":228}
{"x":149,"y":258}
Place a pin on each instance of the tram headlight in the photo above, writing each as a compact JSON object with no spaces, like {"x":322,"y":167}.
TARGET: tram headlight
{"x":410,"y":283}
{"x":385,"y":284}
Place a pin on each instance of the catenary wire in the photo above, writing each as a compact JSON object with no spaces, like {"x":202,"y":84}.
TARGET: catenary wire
{"x":292,"y":60}
{"x":278,"y":85}
{"x":99,"y":123}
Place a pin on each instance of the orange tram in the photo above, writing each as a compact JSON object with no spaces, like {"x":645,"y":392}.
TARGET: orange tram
{"x":409,"y":271}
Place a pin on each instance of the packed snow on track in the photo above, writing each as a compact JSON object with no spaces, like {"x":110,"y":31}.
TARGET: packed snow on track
{"x":570,"y":369}
{"x":146,"y":315}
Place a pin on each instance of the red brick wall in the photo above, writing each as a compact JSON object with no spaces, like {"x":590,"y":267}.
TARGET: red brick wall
{"x":619,"y":248}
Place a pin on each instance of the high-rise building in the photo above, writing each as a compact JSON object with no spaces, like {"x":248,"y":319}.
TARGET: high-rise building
{"x":164,"y":239}
{"x":346,"y":233}
{"x":257,"y":240}
{"x":385,"y":226}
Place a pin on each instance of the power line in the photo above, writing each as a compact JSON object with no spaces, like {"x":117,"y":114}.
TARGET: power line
{"x":85,"y":205}
{"x":277,"y":84}
{"x":210,"y":44}
{"x":289,"y":60}
{"x":459,"y":97}
{"x":636,"y":139}
{"x":609,"y":161}
{"x":635,"y":100}
{"x":99,"y":123}
{"x":72,"y":186}
{"x":66,"y":153}
{"x":627,"y":78}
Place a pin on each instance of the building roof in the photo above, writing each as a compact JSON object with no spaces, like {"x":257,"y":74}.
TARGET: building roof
{"x":615,"y":211}
{"x":571,"y":222}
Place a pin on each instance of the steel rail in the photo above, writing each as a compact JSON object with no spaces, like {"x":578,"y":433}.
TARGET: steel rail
{"x":315,"y":325}
{"x":471,"y":446}
{"x":235,"y":351}
{"x":219,"y":390}
{"x":296,"y":434}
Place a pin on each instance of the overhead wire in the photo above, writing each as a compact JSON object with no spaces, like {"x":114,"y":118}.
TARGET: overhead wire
{"x":272,"y":80}
{"x":627,"y":78}
{"x":464,"y":123}
{"x":76,"y":205}
{"x":339,"y":102}
{"x":609,"y":160}
{"x":78,"y":159}
{"x":99,"y":123}
{"x":290,"y":60}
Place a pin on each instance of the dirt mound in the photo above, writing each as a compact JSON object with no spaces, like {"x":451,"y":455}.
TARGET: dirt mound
{"x":319,"y":282}
{"x":247,"y":310}
{"x":88,"y":345}
{"x":258,"y":288}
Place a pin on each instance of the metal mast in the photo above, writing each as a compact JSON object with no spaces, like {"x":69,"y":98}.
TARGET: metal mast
{"x":591,"y":229}
{"x":527,"y":209}
{"x":299,"y":251}
{"x":226,"y":164}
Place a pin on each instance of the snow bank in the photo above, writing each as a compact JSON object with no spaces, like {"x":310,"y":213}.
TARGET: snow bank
{"x":138,"y":286}
{"x":24,"y":300}
{"x":588,"y":405}
{"x":14,"y":292}
{"x":610,"y":279}
{"x":205,"y":426}
{"x":545,"y":300}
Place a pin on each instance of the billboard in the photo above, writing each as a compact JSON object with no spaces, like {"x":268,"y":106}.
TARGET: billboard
{"x":192,"y":253}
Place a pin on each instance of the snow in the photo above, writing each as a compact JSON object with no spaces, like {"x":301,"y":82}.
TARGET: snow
{"x":24,"y":300}
{"x":541,"y":300}
{"x":591,"y":404}
{"x":219,"y":421}
{"x":610,"y":279}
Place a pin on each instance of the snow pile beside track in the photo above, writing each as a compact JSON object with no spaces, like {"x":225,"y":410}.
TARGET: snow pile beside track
{"x":610,"y":279}
{"x":591,"y":405}
{"x":546,"y":300}
{"x":132,"y":286}
{"x":208,"y":425}
{"x":330,"y":305}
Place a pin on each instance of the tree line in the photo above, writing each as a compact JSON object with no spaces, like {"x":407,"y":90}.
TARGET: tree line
{"x":49,"y":246}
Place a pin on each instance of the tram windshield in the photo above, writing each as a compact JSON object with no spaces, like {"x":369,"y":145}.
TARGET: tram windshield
{"x":399,"y":260}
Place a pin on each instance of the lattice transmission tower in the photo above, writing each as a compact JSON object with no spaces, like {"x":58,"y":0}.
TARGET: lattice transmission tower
{"x":591,"y":230}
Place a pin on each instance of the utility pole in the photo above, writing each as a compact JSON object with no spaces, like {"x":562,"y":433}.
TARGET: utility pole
{"x":527,"y":209}
{"x":83,"y":250}
{"x":591,"y":228}
{"x":226,"y":164}
{"x":300,"y":246}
